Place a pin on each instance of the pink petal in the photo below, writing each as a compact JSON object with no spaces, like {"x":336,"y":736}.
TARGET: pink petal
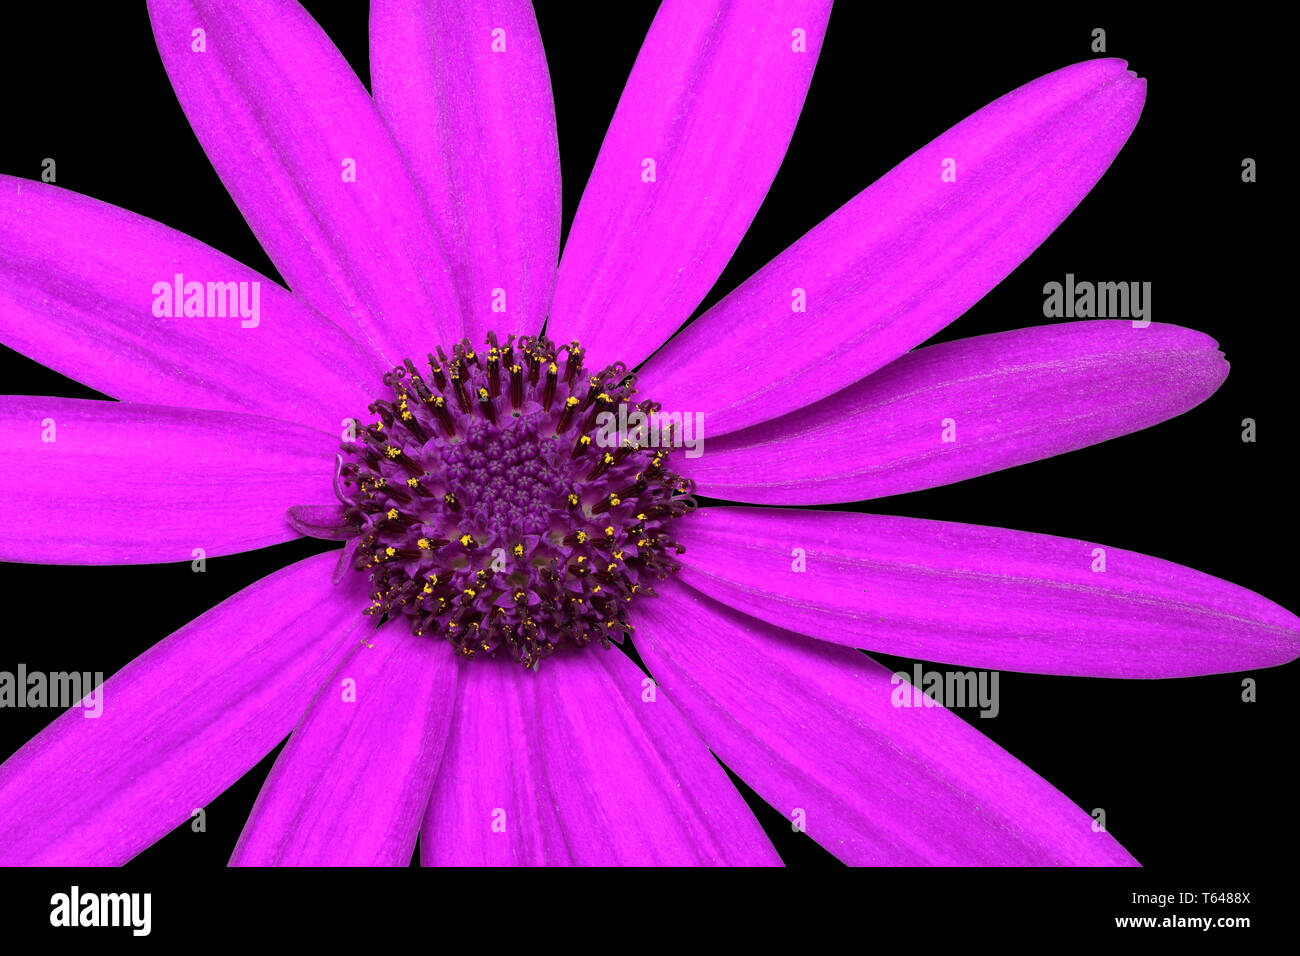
{"x":582,"y":763}
{"x":77,"y":294}
{"x":472,"y":111}
{"x":961,"y":409}
{"x":120,"y":483}
{"x":179,"y":724}
{"x":814,"y":729}
{"x":279,"y":113}
{"x":981,"y":597}
{"x":713,"y":100}
{"x":906,"y":256}
{"x":351,"y":786}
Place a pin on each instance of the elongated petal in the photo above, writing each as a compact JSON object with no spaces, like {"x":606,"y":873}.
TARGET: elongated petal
{"x":583,"y":763}
{"x":906,"y":256}
{"x":120,"y":483}
{"x":351,"y":787}
{"x":712,"y":101}
{"x":179,"y":724}
{"x":311,"y":165}
{"x":981,"y":597}
{"x":77,"y":293}
{"x":962,"y":409}
{"x":815,"y":730}
{"x":464,"y":87}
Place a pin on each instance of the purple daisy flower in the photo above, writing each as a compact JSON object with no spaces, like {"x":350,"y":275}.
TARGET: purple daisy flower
{"x":493,"y":513}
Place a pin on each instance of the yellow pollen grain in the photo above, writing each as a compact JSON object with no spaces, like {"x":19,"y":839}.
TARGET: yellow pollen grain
{"x":392,"y":512}
{"x":424,"y":543}
{"x":467,"y":540}
{"x":582,"y":537}
{"x":412,"y":482}
{"x":392,"y":452}
{"x":570,"y":401}
{"x":390,"y":551}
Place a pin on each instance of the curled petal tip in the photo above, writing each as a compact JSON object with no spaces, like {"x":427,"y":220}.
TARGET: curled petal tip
{"x":1112,"y":64}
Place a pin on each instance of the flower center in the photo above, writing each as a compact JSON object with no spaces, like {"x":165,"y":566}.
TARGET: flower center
{"x":489,"y":506}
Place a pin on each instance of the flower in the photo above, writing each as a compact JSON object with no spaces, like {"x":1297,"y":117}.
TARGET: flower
{"x":224,"y":428}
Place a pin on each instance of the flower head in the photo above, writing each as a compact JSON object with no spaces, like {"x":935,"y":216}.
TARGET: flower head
{"x":487,"y":509}
{"x":484,"y":509}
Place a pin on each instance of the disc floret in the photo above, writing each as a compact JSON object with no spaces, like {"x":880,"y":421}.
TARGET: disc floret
{"x":485,"y":510}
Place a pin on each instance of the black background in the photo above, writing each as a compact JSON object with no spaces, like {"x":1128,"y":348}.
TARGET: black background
{"x":1192,"y":779}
